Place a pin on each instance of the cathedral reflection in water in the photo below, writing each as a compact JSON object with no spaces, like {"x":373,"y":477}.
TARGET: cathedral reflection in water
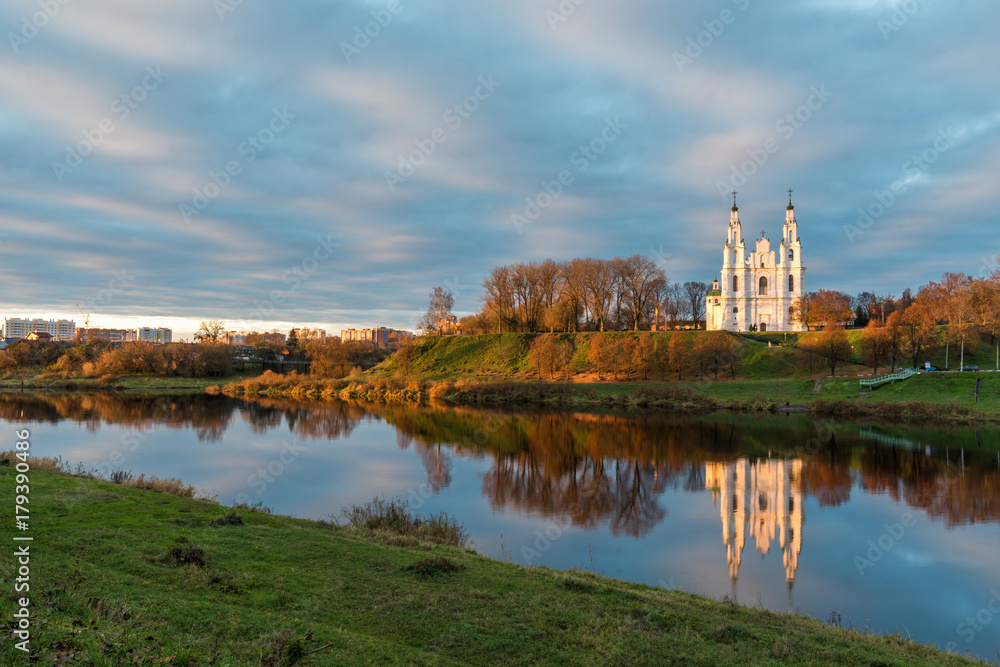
{"x":762,"y":499}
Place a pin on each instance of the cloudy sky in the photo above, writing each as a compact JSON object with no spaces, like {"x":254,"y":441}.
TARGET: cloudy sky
{"x":328,"y":163}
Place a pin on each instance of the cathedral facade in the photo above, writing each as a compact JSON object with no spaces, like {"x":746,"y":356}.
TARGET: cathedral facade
{"x":758,"y":286}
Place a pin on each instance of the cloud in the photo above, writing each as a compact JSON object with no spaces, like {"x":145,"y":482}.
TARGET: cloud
{"x":385,"y":110}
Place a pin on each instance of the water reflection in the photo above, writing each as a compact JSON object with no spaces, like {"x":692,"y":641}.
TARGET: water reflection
{"x":763,"y":498}
{"x":593,"y":469}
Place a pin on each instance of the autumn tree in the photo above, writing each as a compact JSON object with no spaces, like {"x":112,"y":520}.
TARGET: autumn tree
{"x":601,"y":354}
{"x":544,"y":354}
{"x":405,"y":356}
{"x":716,"y":351}
{"x":678,"y":352}
{"x":833,"y":346}
{"x":894,"y":338}
{"x":985,"y":297}
{"x":822,"y":308}
{"x":917,"y":330}
{"x":874,"y":345}
{"x":440,"y":307}
{"x":644,"y":355}
{"x":475,"y":324}
{"x":210,"y":331}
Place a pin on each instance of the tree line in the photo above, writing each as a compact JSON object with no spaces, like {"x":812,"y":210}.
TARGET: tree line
{"x":643,"y":355}
{"x":585,"y":294}
{"x":957,"y":310}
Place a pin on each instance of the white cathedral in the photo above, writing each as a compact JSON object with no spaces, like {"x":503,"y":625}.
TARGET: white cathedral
{"x":758,"y":287}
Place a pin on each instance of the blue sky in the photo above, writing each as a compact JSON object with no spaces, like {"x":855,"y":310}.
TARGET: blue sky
{"x":329,"y":163}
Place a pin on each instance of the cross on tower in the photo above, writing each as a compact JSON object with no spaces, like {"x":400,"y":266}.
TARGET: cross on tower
{"x":734,"y":197}
{"x":789,"y":196}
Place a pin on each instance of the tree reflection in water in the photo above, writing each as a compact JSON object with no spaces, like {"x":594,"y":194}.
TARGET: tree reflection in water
{"x":589,"y":469}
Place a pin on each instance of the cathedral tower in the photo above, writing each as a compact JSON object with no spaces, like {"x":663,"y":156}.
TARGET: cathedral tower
{"x":758,"y":288}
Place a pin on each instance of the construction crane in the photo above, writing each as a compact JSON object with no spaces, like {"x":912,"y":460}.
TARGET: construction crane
{"x":86,"y":321}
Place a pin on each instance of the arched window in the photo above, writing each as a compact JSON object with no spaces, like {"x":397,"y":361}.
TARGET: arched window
{"x":762,"y":287}
{"x":736,"y":283}
{"x":735,"y":309}
{"x":791,"y":283}
{"x":791,"y":254}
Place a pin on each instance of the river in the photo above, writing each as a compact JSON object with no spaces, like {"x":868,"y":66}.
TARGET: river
{"x":887,"y":528}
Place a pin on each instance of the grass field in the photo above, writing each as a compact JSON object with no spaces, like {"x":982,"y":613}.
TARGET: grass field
{"x":122,"y":576}
{"x":130,"y":384}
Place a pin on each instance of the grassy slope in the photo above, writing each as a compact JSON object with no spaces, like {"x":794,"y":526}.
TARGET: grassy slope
{"x":780,"y":374}
{"x":101,"y":594}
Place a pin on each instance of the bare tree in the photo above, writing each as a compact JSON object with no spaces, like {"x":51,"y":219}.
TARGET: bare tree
{"x":695,"y":293}
{"x":598,"y":288}
{"x":672,"y":304}
{"x":210,"y":331}
{"x":439,"y":310}
{"x":498,"y":298}
{"x":641,"y":281}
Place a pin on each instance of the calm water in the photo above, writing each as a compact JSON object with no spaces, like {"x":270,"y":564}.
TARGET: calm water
{"x":893,"y":529}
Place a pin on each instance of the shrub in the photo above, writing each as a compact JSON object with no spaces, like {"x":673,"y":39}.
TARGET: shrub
{"x":429,"y":567}
{"x":188,"y":555}
{"x":390,"y":519}
{"x":231,"y":519}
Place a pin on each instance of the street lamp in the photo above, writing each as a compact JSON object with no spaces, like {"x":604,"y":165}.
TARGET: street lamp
{"x":961,"y":363}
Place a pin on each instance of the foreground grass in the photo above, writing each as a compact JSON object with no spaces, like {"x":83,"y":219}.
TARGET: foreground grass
{"x":125,"y":576}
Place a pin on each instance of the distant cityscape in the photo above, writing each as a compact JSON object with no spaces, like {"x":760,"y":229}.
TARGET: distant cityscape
{"x":66,"y":331}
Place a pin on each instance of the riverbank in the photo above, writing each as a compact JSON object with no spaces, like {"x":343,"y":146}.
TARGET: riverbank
{"x":127,"y":384}
{"x":935,"y":397}
{"x":926,"y":398}
{"x":121,"y":575}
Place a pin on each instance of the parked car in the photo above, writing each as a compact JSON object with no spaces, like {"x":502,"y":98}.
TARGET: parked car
{"x":969,"y":368}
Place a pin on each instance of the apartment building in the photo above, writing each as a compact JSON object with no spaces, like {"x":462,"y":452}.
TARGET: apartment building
{"x":19,"y":327}
{"x":158,"y":335}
